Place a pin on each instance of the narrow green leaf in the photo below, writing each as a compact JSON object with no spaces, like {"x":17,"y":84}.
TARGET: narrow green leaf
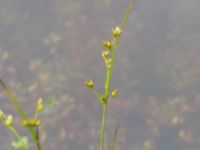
{"x":114,"y":138}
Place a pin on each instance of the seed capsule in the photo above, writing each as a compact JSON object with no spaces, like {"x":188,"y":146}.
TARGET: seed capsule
{"x":9,"y":121}
{"x":89,"y":84}
{"x":40,"y":105}
{"x":105,"y":54}
{"x":117,"y":31}
{"x":115,"y":93}
{"x":109,"y":63}
{"x":107,"y":44}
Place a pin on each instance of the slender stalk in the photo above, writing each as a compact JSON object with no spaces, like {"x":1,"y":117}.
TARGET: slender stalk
{"x":97,"y":95}
{"x":107,"y":84}
{"x":116,"y":41}
{"x":104,"y":99}
{"x":13,"y":99}
{"x":103,"y":126}
{"x":109,"y":73}
{"x":127,"y":14}
{"x":19,"y":138}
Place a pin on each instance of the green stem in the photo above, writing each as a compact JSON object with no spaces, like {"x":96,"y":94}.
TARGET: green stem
{"x":103,"y":126}
{"x":109,"y":73}
{"x":113,"y":58}
{"x":13,"y":99}
{"x":127,"y":14}
{"x":97,"y":95}
{"x":107,"y":84}
{"x":117,"y":39}
{"x":19,"y":138}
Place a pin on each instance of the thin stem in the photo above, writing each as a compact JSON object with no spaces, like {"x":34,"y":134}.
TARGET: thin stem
{"x":109,"y":73}
{"x":103,"y":126}
{"x":97,"y":95}
{"x":113,"y":57}
{"x":13,"y":99}
{"x":107,"y":84}
{"x":127,"y":14}
{"x":19,"y":138}
{"x":117,"y":39}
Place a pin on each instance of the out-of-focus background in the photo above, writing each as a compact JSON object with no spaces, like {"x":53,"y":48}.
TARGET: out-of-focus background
{"x":48,"y":48}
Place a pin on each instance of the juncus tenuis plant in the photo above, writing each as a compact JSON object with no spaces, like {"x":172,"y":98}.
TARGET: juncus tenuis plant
{"x":109,"y":55}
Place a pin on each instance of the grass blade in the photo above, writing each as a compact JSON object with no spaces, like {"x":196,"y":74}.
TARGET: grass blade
{"x":114,"y":138}
{"x":13,"y":99}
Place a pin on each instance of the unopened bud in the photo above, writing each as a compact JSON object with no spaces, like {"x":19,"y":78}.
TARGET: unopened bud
{"x":105,"y":54}
{"x":109,"y":63}
{"x":9,"y":121}
{"x":115,"y":93}
{"x":117,"y":31}
{"x":107,"y":44}
{"x":89,"y":84}
{"x":40,"y":105}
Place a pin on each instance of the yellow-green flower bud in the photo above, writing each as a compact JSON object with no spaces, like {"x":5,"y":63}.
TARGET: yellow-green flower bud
{"x":115,"y":93}
{"x":9,"y":121}
{"x":31,"y":123}
{"x":40,"y":105}
{"x":109,"y":63}
{"x":107,"y":44}
{"x":89,"y":84}
{"x":105,"y":54}
{"x":117,"y":32}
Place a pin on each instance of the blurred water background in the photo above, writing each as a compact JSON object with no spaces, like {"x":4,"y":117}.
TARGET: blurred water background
{"x":48,"y":48}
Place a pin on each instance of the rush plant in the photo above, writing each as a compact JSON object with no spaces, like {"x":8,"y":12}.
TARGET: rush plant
{"x":32,"y":124}
{"x":109,"y":55}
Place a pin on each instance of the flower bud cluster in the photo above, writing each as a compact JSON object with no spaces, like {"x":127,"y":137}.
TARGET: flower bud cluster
{"x":108,"y":45}
{"x":7,"y":120}
{"x":31,"y":123}
{"x":35,"y":121}
{"x":117,"y":32}
{"x":106,"y":53}
{"x":108,"y":59}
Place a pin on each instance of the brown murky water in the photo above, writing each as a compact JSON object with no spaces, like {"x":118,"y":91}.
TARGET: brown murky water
{"x":48,"y":48}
